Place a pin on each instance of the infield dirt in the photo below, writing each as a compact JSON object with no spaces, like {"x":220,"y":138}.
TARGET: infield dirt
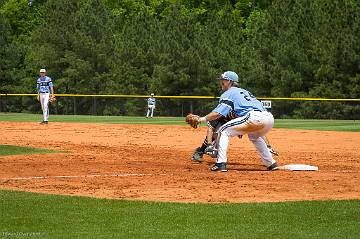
{"x":153,"y":162}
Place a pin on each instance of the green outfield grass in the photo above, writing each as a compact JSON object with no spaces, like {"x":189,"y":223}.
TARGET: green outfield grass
{"x":32,"y":215}
{"x":21,"y":117}
{"x":50,"y":216}
{"x":15,"y":150}
{"x":333,"y":125}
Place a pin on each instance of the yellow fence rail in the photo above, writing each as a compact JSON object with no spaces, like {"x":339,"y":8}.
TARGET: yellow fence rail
{"x":184,"y":97}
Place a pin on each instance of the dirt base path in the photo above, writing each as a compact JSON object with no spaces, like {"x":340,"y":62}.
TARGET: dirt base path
{"x":152,"y":162}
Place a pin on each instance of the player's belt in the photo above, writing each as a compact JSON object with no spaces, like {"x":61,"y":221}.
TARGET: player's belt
{"x":43,"y":92}
{"x":241,"y":115}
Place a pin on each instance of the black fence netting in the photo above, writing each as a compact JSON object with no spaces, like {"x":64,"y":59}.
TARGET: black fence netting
{"x":89,"y":105}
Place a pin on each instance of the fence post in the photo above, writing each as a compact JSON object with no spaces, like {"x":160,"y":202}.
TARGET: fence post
{"x":56,"y":107}
{"x":3,"y":103}
{"x":182,"y":108}
{"x":94,"y":106}
{"x":74,"y":102}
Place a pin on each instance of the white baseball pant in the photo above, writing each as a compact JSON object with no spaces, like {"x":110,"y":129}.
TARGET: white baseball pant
{"x":150,"y":111}
{"x":44,"y":101}
{"x":256,"y":124}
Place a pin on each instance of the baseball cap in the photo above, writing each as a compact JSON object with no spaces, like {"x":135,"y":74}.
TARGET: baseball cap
{"x":152,"y":94}
{"x":42,"y":70}
{"x":229,"y":75}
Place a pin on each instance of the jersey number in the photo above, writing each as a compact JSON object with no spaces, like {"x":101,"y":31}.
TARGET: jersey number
{"x":247,"y":95}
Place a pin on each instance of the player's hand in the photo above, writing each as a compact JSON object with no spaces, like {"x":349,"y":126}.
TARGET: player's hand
{"x":38,"y":97}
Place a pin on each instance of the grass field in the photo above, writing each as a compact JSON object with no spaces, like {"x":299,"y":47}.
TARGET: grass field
{"x":15,"y":150}
{"x":333,"y":125}
{"x":31,"y":215}
{"x":51,"y":216}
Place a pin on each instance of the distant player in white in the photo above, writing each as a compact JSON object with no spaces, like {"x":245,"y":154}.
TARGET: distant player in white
{"x":251,"y":119}
{"x":151,"y":106}
{"x":45,"y":92}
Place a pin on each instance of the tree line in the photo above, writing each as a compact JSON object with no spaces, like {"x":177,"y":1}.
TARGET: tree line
{"x":280,"y":48}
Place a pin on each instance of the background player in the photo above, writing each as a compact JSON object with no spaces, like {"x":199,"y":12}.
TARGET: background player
{"x":150,"y":106}
{"x":46,"y":92}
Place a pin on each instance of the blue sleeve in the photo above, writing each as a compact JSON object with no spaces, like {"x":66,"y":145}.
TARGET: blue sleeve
{"x":223,"y":109}
{"x":226,"y":104}
{"x":50,"y":82}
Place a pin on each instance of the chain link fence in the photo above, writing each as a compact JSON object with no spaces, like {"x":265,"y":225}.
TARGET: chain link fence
{"x":174,"y":106}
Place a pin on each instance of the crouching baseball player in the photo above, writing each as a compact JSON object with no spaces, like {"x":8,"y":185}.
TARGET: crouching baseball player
{"x":46,"y":94}
{"x":208,"y":146}
{"x":251,"y":119}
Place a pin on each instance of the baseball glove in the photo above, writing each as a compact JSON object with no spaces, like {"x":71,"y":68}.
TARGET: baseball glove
{"x":52,"y":100}
{"x":192,"y":120}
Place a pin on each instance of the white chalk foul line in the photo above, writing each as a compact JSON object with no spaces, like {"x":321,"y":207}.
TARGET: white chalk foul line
{"x":85,"y":176}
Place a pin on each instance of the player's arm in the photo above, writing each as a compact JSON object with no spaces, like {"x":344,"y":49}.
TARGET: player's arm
{"x":52,"y":93}
{"x":51,"y":87}
{"x":38,"y":90}
{"x":220,"y":111}
{"x":210,"y":117}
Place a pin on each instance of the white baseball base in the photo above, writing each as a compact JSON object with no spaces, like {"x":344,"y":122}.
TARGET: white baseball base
{"x":299,"y":167}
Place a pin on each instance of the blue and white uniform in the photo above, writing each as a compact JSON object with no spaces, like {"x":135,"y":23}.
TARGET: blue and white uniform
{"x":151,"y":106}
{"x":250,"y":117}
{"x":237,"y":101}
{"x":44,"y":87}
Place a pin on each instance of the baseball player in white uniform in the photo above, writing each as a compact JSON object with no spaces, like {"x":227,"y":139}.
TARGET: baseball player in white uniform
{"x":45,"y":91}
{"x":151,"y":106}
{"x":251,"y":118}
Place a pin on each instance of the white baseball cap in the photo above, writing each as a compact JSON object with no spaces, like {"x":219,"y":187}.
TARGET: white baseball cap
{"x":42,"y":70}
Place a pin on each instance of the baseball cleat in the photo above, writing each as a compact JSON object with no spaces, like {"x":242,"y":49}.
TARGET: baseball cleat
{"x":219,"y":167}
{"x":197,"y":155}
{"x":273,"y":167}
{"x":44,"y":122}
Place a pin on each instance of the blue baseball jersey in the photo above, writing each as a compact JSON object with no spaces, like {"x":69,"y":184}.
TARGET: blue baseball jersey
{"x":237,"y":101}
{"x":151,"y":101}
{"x":44,"y":84}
